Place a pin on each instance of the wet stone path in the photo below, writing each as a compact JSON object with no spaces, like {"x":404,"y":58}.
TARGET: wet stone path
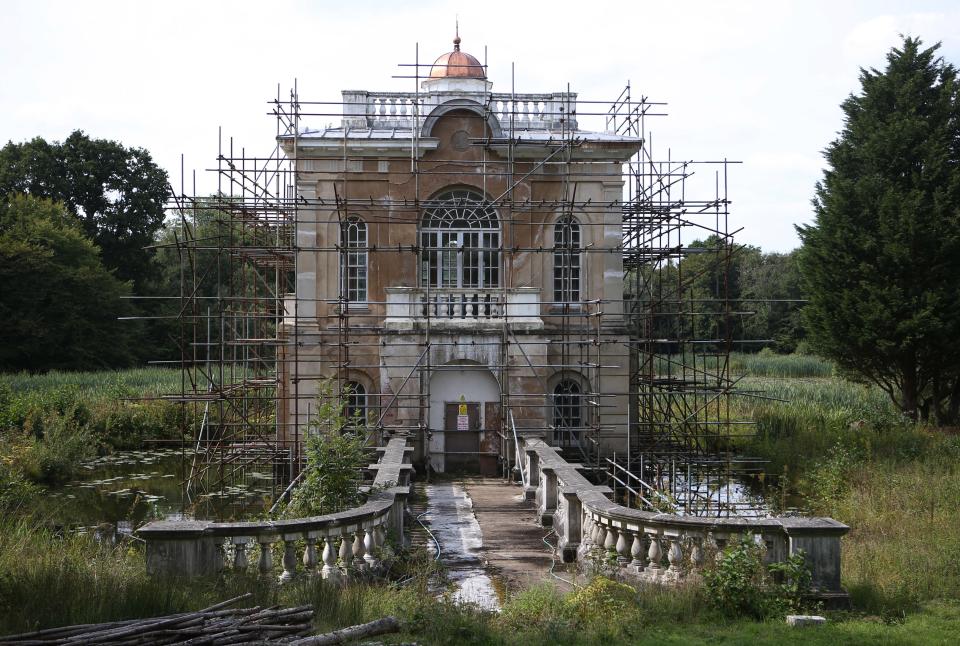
{"x":489,"y":541}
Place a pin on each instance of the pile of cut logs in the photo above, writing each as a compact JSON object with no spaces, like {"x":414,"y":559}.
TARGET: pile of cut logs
{"x":214,"y":625}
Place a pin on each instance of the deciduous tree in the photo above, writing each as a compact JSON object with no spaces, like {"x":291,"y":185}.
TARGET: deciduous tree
{"x":60,"y":305}
{"x":117,"y":193}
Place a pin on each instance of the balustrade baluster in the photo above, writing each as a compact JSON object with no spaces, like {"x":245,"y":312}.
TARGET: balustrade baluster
{"x":289,"y":559}
{"x":329,"y":570}
{"x":266,"y":556}
{"x":369,"y":545}
{"x":358,"y":551}
{"x":674,"y":554}
{"x":588,"y":528}
{"x":636,"y":552}
{"x":623,"y":548}
{"x":601,"y":536}
{"x":610,"y":542}
{"x":696,"y":553}
{"x":240,"y":561}
{"x":346,"y":553}
{"x":654,"y":555}
{"x":310,"y":554}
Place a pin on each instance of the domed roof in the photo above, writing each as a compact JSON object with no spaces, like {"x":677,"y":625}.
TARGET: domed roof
{"x":457,"y":64}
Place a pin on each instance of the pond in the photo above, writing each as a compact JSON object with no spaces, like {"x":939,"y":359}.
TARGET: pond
{"x":125,"y":489}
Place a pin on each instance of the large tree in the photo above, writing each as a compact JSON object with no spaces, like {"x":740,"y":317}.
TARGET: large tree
{"x":881,"y":263}
{"x":59,"y":304}
{"x":117,"y":193}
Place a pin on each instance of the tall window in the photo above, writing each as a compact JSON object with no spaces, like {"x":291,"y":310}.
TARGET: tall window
{"x":355,"y":402}
{"x":566,"y":260}
{"x":568,"y":412}
{"x":460,"y":240}
{"x":354,"y":267}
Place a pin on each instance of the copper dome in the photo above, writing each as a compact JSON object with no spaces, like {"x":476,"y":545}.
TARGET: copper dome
{"x":457,"y":64}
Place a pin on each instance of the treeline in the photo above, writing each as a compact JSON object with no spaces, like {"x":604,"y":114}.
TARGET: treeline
{"x":721,"y":290}
{"x":77,"y":221}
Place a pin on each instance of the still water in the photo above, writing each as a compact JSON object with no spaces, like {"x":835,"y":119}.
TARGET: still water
{"x":127,"y":488}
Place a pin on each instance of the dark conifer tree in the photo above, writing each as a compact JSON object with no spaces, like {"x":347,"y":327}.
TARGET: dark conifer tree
{"x":881,"y":263}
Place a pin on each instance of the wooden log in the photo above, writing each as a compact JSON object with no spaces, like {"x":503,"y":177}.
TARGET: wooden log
{"x":64,"y":631}
{"x":369,"y":629}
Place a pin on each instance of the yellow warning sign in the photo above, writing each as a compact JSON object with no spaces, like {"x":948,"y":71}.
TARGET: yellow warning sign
{"x":462,"y":409}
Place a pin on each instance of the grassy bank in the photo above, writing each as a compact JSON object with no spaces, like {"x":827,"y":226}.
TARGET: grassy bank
{"x":96,"y":583}
{"x":849,"y":454}
{"x":50,"y":423}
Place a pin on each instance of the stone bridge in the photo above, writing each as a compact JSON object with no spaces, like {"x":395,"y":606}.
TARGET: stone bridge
{"x":640,"y":545}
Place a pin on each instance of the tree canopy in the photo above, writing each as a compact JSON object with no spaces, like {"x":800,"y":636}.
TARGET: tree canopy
{"x":60,"y":304}
{"x":117,"y":193}
{"x":881,"y":263}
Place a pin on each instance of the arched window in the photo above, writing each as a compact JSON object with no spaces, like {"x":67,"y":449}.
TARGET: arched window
{"x":355,"y":403}
{"x":568,"y":412}
{"x":461,"y":241}
{"x":353,"y":269}
{"x":566,"y":260}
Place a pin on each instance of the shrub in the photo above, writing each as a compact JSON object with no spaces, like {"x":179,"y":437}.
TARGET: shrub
{"x":336,"y":452}
{"x":739,"y":585}
{"x":602,"y":599}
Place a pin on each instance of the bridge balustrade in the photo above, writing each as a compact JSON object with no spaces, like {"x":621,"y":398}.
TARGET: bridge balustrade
{"x":334,"y":545}
{"x":662,"y":547}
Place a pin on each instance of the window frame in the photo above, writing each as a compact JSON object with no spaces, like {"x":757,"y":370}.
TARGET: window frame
{"x":354,"y":264}
{"x":460,"y":241}
{"x":567,"y":412}
{"x":355,"y":401}
{"x":567,"y":261}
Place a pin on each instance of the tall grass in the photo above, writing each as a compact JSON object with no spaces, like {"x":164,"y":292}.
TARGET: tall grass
{"x":769,"y":364}
{"x":799,"y":421}
{"x":849,"y":453}
{"x":98,"y":384}
{"x":904,"y":540}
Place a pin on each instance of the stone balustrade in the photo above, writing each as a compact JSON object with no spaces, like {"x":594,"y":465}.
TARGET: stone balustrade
{"x":658,"y":547}
{"x":410,"y":307}
{"x":386,"y":110}
{"x":334,"y":545}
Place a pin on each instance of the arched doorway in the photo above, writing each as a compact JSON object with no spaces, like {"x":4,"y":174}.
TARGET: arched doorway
{"x":464,"y":418}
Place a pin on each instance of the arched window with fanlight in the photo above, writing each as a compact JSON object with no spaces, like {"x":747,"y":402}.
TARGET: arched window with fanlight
{"x":355,"y":403}
{"x":353,"y":269}
{"x":460,"y":238}
{"x":566,"y":260}
{"x":568,"y":412}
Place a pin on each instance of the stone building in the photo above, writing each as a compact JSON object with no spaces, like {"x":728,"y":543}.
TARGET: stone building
{"x":458,"y":269}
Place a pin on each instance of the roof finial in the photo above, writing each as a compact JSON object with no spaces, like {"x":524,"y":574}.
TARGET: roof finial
{"x":456,"y":40}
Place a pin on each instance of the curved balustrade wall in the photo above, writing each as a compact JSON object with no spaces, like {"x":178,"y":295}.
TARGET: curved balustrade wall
{"x":336,"y":544}
{"x":660,"y":547}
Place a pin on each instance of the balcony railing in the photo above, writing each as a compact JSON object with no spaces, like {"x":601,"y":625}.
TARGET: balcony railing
{"x":411,"y":307}
{"x":544,"y":111}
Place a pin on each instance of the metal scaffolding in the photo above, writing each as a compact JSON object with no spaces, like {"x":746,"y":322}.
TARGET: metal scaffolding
{"x":252,"y":357}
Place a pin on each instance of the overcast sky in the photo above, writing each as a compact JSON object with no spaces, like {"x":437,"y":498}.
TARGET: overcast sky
{"x":759,"y":82}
